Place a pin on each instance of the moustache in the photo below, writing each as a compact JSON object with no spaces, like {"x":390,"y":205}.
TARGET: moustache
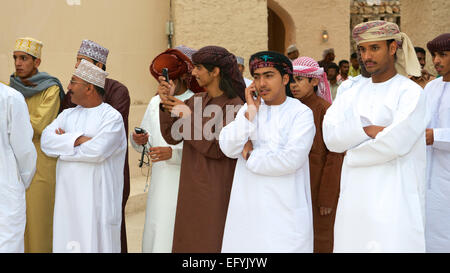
{"x":369,"y":61}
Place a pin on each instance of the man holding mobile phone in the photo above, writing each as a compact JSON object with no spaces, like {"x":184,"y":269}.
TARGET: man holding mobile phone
{"x":270,"y":201}
{"x":174,"y":67}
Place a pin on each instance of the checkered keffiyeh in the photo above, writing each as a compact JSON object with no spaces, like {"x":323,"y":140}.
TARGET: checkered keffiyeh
{"x":309,"y":68}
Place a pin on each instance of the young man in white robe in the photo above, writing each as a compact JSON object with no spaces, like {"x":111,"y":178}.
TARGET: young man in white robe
{"x":380,"y":124}
{"x":270,"y":204}
{"x":166,"y":159}
{"x":437,"y":93}
{"x":90,"y":144}
{"x":17,"y":168}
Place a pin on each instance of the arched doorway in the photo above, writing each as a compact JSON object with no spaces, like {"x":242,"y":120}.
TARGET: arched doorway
{"x":276,"y":32}
{"x":281,"y":27}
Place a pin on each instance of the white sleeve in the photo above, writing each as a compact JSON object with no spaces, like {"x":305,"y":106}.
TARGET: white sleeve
{"x":293,"y":155}
{"x":55,"y":145}
{"x":441,"y":139}
{"x":342,"y":127}
{"x":397,"y":139}
{"x":144,"y":125}
{"x":177,"y":152}
{"x":233,"y":137}
{"x":110,"y":138}
{"x":21,"y":139}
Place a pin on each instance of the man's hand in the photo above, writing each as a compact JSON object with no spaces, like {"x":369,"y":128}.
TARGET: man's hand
{"x":373,"y":130}
{"x":429,"y":136}
{"x":425,"y":75}
{"x":140,"y":139}
{"x":160,"y":153}
{"x":80,"y":140}
{"x":176,"y":107}
{"x":165,"y":88}
{"x":252,"y":103}
{"x":325,"y":211}
{"x":248,"y":147}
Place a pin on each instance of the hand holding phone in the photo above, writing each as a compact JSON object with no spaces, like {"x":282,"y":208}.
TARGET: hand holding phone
{"x":139,"y":130}
{"x":253,"y":101}
{"x":140,"y":136}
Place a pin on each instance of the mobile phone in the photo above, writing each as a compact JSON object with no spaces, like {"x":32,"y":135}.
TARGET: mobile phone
{"x":255,"y":94}
{"x":165,"y":73}
{"x":139,"y":130}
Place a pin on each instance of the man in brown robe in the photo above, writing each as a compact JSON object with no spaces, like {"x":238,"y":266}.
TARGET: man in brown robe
{"x":206,"y":173}
{"x":426,"y":77}
{"x":116,"y":95}
{"x":325,"y":166}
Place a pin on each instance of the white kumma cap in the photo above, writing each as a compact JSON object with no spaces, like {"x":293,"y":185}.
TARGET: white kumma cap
{"x":91,"y":73}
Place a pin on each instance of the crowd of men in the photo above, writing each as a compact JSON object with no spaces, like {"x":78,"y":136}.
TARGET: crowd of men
{"x":308,"y":156}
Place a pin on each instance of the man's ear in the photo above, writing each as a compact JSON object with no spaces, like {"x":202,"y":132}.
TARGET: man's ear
{"x":285,"y":79}
{"x":315,"y":81}
{"x":37,"y":62}
{"x":393,"y":48}
{"x":216,"y":71}
{"x":91,"y":89}
{"x":99,"y":65}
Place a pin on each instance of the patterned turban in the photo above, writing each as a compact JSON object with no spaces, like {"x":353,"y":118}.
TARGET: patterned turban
{"x":94,"y":51}
{"x":91,"y":73}
{"x":222,"y":58}
{"x":440,"y":43}
{"x":178,"y":64}
{"x":273,"y":59}
{"x":309,"y":68}
{"x":186,"y":51}
{"x":373,"y":31}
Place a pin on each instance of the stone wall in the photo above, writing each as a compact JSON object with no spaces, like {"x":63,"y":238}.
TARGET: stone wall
{"x":424,"y":20}
{"x":311,"y":18}
{"x":240,"y":26}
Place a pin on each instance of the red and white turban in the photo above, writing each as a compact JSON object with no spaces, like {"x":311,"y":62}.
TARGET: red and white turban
{"x":309,"y":68}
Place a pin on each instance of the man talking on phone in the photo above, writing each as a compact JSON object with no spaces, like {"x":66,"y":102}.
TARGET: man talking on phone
{"x":270,"y":202}
{"x":166,"y":159}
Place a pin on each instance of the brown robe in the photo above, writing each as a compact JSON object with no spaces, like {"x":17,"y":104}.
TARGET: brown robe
{"x":325,"y":173}
{"x":205,"y":182}
{"x":116,"y":95}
